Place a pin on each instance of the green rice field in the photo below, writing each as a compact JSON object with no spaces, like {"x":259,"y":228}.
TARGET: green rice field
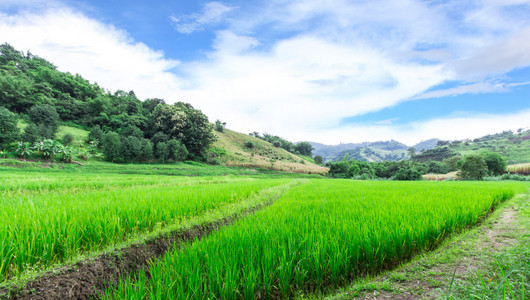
{"x":46,"y":219}
{"x":317,"y":235}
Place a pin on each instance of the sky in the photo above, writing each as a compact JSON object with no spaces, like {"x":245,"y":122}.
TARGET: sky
{"x":335,"y":71}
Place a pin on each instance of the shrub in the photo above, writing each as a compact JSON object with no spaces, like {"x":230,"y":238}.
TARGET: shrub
{"x":24,"y":149}
{"x":250,"y":145}
{"x":220,"y":126}
{"x":67,"y":139}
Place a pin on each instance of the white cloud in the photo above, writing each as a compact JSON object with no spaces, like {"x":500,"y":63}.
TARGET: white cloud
{"x":212,"y":12}
{"x":450,"y":128}
{"x":98,"y":52}
{"x":474,"y":88}
{"x":336,"y":59}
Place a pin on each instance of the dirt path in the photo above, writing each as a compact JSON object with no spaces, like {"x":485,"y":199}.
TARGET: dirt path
{"x":433,"y":274}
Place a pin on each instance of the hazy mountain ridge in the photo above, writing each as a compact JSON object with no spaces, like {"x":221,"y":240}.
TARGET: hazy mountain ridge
{"x":370,"y":151}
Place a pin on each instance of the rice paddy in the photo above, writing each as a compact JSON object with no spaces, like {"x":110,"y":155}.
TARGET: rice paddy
{"x":48,"y":220}
{"x":316,"y":236}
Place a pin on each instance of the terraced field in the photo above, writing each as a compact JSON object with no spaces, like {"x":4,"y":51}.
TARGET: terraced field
{"x":240,"y":237}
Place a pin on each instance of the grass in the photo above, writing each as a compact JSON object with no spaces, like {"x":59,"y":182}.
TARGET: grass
{"x":80,"y":135}
{"x":174,"y":169}
{"x":471,"y":265}
{"x":263,"y":155}
{"x":46,"y":219}
{"x":317,"y":236}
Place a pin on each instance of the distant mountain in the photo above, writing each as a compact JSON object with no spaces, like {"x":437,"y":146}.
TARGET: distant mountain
{"x":368,"y":151}
{"x":426,"y":145}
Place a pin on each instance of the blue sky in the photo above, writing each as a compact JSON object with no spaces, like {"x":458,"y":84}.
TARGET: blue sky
{"x":326,"y":71}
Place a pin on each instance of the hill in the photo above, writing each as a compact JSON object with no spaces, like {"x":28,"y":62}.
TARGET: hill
{"x":367,"y":151}
{"x":231,"y":149}
{"x":514,"y":147}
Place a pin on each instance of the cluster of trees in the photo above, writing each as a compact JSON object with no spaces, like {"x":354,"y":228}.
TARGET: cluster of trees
{"x":33,"y":89}
{"x":475,"y":167}
{"x":302,"y":148}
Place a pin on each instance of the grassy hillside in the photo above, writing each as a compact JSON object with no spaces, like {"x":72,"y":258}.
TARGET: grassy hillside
{"x":230,"y":146}
{"x":514,"y":147}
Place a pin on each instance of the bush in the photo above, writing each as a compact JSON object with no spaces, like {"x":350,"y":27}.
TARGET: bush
{"x":220,"y":126}
{"x":67,"y":139}
{"x":250,"y":145}
{"x":318,"y":160}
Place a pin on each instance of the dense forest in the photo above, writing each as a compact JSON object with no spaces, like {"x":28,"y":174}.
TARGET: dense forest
{"x":121,"y":126}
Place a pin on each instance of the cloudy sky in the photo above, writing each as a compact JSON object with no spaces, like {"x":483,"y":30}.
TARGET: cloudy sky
{"x":326,"y":71}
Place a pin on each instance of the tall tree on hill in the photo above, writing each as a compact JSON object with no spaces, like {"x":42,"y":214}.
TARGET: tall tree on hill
{"x":182,"y":122}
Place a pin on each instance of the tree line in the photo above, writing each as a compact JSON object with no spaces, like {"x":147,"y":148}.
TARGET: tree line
{"x":473,"y":166}
{"x":124,"y":128}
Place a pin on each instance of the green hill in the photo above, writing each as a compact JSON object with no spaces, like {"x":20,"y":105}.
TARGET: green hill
{"x":231,"y":149}
{"x":515,"y":147}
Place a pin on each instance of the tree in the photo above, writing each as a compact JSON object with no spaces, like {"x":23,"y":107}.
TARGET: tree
{"x":147,"y":149}
{"x":407,"y":173}
{"x":304,"y":148}
{"x":159,"y":137}
{"x":318,"y":160}
{"x":473,"y":167}
{"x":111,"y":144}
{"x":162,"y":151}
{"x":177,"y":150}
{"x":495,"y":162}
{"x":46,"y":117}
{"x":182,"y":122}
{"x":411,"y":151}
{"x":9,"y":132}
{"x":131,"y":148}
{"x":452,"y":162}
{"x":95,"y":134}
{"x":31,"y":133}
{"x":437,"y":167}
{"x":132,"y":130}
